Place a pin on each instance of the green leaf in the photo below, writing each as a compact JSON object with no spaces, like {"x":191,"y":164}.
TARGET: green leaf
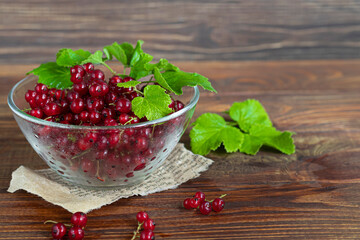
{"x":138,"y":70}
{"x":68,"y":58}
{"x":116,"y":50}
{"x":178,"y":80}
{"x":160,"y":80}
{"x":53,"y":75}
{"x":248,"y":113}
{"x":136,"y":53}
{"x":154,"y":104}
{"x":210,"y":130}
{"x":95,"y":58}
{"x":260,"y":135}
{"x":129,"y":50}
{"x":162,"y":65}
{"x":128,"y":84}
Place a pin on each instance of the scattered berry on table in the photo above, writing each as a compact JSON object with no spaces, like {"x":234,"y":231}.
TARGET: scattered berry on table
{"x":79,"y":219}
{"x":205,"y":208}
{"x":218,"y":204}
{"x":58,"y":231}
{"x":142,"y":216}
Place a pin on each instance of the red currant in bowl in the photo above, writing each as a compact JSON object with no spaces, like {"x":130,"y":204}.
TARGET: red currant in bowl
{"x":92,"y":137}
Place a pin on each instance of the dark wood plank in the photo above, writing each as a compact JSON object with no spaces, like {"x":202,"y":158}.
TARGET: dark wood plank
{"x":183,"y":30}
{"x":313,"y":194}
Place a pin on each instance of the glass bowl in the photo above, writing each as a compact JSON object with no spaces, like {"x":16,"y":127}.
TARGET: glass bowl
{"x":116,"y":156}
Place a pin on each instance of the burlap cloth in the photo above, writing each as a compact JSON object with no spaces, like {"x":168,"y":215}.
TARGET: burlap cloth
{"x":181,"y":166}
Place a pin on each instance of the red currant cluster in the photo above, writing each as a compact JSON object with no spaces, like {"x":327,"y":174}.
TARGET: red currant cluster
{"x":91,"y":101}
{"x":106,"y":155}
{"x":205,"y":207}
{"x":76,"y":231}
{"x":148,"y":227}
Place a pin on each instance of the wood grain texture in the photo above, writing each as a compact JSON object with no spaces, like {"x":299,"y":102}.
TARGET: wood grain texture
{"x":33,"y":31}
{"x":313,"y":194}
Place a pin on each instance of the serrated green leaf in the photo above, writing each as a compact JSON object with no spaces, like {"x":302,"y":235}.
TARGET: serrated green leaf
{"x":160,"y":80}
{"x":137,"y":52}
{"x":129,"y":50}
{"x":128,"y":84}
{"x":210,"y":130}
{"x":138,"y":69}
{"x":68,"y":58}
{"x":178,"y":80}
{"x":248,"y":113}
{"x":116,"y":50}
{"x":162,"y":65}
{"x":260,"y":135}
{"x":95,"y":58}
{"x":53,"y":75}
{"x":154,"y":104}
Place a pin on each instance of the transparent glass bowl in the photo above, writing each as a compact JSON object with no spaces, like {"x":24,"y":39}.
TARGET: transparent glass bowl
{"x":119,"y":155}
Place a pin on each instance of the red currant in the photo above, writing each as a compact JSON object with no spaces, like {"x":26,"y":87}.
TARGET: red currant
{"x":142,"y":216}
{"x":200,"y":196}
{"x":77,"y":106}
{"x":194,"y":202}
{"x":205,"y":208}
{"x":89,"y":67}
{"x":147,"y":235}
{"x":149,"y":224}
{"x":79,"y":219}
{"x":58,"y":231}
{"x":76,"y":233}
{"x":218,"y":204}
{"x":186,"y":203}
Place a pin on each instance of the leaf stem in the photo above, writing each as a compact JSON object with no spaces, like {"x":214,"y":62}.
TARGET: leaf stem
{"x":149,"y":81}
{"x":112,"y":71}
{"x":232,"y":124}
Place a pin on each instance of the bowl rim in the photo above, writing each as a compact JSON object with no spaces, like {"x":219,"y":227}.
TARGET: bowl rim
{"x":32,"y":119}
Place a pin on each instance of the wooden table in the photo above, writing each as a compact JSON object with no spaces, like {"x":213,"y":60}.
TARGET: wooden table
{"x":312,"y":194}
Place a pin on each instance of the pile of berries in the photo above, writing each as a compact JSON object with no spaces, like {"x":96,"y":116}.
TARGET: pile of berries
{"x":148,"y":226}
{"x":91,"y":101}
{"x":76,"y":231}
{"x":205,"y":207}
{"x":97,"y":154}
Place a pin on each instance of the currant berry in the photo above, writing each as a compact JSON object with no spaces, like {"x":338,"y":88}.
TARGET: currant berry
{"x":79,"y":219}
{"x":77,"y":106}
{"x":186,"y":203}
{"x":76,"y":233}
{"x":41,"y":88}
{"x":58,"y":231}
{"x":123,"y":105}
{"x":89,"y":67}
{"x":52,"y":109}
{"x":72,"y":95}
{"x":111,"y":97}
{"x":80,"y":88}
{"x":94,"y":104}
{"x":76,"y":78}
{"x":141,"y":143}
{"x":195,"y":202}
{"x":36,"y":112}
{"x":84,"y":116}
{"x":205,"y":208}
{"x":218,"y":204}
{"x":200,"y":196}
{"x":147,"y":235}
{"x":84,"y":144}
{"x":142,"y":216}
{"x":124,"y":118}
{"x":94,"y":117}
{"x":95,"y":90}
{"x":97,"y":74}
{"x":30,"y":95}
{"x":77,"y":70}
{"x":179,"y":105}
{"x":149,"y":224}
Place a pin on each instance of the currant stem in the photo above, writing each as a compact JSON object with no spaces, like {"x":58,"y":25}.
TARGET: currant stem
{"x":232,"y":123}
{"x":137,"y":231}
{"x":54,"y":222}
{"x":222,"y":196}
{"x":26,"y":109}
{"x":138,"y":91}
